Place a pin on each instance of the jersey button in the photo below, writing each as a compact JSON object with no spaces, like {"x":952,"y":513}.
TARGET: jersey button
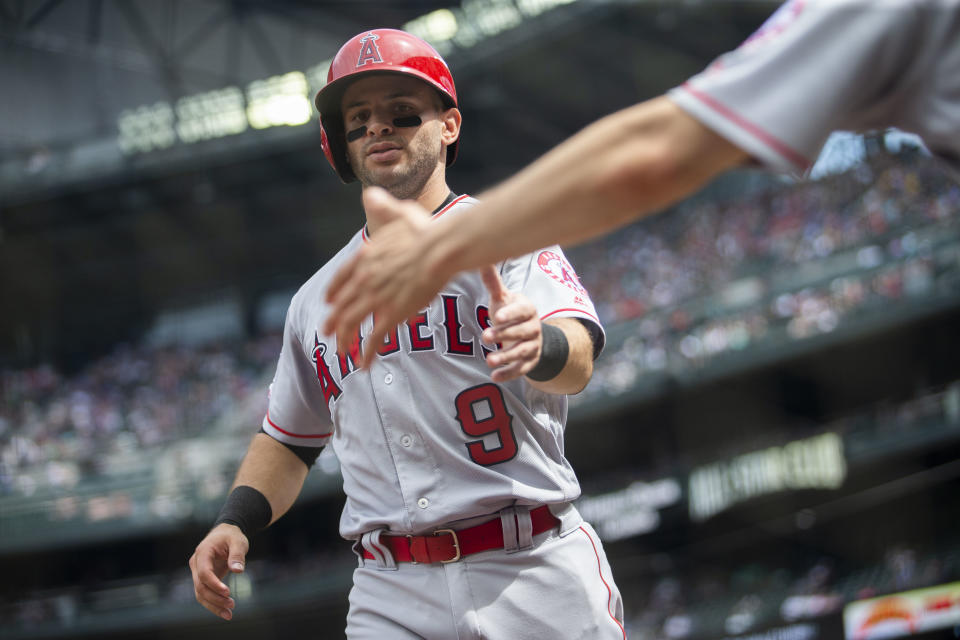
{"x":406,"y":440}
{"x":388,"y":378}
{"x":423,"y":503}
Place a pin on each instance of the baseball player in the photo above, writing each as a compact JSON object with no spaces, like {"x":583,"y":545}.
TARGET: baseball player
{"x":813,"y":67}
{"x":458,"y":494}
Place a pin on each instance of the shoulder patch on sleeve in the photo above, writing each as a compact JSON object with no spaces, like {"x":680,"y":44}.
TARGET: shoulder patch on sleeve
{"x":560,"y":270}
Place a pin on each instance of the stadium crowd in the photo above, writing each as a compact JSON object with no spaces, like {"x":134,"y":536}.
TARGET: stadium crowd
{"x":715,"y":276}
{"x":676,"y":292}
{"x":711,"y":601}
{"x":56,"y":428}
{"x":704,"y":245}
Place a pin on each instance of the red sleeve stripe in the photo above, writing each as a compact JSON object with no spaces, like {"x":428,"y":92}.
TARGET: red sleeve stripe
{"x":297,"y":435}
{"x":556,"y":311}
{"x":602,"y":579}
{"x":793,"y":156}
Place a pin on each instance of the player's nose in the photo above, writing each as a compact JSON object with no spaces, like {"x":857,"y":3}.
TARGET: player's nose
{"x":380,"y":123}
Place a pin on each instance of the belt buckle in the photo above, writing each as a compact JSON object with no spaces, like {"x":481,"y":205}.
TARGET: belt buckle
{"x":456,"y":544}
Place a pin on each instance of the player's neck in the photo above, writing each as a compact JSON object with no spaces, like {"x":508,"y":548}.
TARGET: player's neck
{"x":433,"y":195}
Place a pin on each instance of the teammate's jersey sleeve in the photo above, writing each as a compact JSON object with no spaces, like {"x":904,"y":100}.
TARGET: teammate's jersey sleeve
{"x":297,"y":411}
{"x":817,"y":66}
{"x":549,"y":281}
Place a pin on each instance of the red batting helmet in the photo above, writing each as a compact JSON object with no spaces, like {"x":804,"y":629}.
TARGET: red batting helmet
{"x":377,"y":51}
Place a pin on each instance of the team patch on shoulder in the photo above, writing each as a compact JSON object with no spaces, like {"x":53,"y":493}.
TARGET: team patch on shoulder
{"x":560,"y":270}
{"x":777,"y":23}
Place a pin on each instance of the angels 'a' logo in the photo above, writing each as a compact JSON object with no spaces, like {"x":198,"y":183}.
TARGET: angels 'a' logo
{"x":560,"y":270}
{"x":327,"y":384}
{"x":369,"y":51}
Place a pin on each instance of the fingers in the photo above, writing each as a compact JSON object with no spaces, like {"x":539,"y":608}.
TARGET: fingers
{"x":236,"y":560}
{"x":494,"y":284}
{"x":524,"y":351}
{"x":345,"y":275}
{"x":374,"y":340}
{"x":351,"y":305}
{"x":208,"y":589}
{"x":349,"y":297}
{"x":520,"y":352}
{"x":517,"y":320}
{"x":382,"y":207}
{"x":373,"y":280}
{"x":215,"y":602}
{"x":514,"y":362}
{"x":379,"y":205}
{"x":219,"y":553}
{"x":509,"y":334}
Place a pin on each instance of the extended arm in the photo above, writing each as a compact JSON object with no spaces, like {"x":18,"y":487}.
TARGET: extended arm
{"x":276,"y":473}
{"x":625,"y":166}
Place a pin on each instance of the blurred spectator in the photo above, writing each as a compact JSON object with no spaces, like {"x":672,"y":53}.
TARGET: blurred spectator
{"x":789,"y":263}
{"x":714,"y":278}
{"x":55,"y":429}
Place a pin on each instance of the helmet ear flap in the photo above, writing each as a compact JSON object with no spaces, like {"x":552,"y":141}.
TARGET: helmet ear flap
{"x":334,"y":147}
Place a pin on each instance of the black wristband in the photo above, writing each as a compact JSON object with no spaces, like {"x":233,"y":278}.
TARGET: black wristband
{"x":553,"y":354}
{"x":246,"y":508}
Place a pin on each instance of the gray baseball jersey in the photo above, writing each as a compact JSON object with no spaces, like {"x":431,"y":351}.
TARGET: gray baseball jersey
{"x":424,"y":437}
{"x":822,"y":65}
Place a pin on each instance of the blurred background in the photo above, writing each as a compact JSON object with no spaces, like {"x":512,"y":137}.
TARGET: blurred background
{"x":769,"y":446}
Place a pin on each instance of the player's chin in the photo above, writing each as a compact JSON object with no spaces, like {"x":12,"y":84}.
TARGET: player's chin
{"x":387,"y":177}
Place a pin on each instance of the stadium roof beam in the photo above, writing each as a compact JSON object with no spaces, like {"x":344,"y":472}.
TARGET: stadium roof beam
{"x":329,"y":25}
{"x":261,"y":43}
{"x":200,"y":34}
{"x":94,"y":18}
{"x":163,"y":61}
{"x":41,"y":13}
{"x":93,"y":49}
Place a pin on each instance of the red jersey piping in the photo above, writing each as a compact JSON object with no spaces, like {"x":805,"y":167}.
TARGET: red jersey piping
{"x":602,"y":579}
{"x":586,"y":313}
{"x":296,"y":435}
{"x":793,"y":156}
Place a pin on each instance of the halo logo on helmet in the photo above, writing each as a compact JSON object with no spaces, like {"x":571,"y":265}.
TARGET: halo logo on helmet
{"x":370,"y":51}
{"x":377,"y":51}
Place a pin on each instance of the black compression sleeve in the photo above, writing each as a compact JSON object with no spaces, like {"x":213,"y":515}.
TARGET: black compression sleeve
{"x":596,"y":335}
{"x":309,"y":455}
{"x":246,"y":508}
{"x":553,"y":354}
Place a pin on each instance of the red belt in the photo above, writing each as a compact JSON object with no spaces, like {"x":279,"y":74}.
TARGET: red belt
{"x":447,"y":545}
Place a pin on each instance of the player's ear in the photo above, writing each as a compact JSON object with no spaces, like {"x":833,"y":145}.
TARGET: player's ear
{"x":450,"y":119}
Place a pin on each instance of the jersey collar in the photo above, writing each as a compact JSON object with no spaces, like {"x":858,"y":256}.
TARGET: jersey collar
{"x":449,"y":201}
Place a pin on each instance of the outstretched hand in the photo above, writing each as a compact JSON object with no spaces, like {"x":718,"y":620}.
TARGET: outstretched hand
{"x":516,"y":328}
{"x":223,"y":551}
{"x":387,"y":277}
